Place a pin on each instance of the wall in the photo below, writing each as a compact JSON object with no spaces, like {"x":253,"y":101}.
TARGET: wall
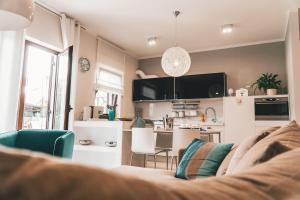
{"x":85,"y":81}
{"x":45,"y":29}
{"x":243,"y":65}
{"x":293,"y":62}
{"x":11,"y":56}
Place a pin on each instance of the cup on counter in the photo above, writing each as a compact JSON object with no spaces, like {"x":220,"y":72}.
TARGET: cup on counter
{"x":111,"y":115}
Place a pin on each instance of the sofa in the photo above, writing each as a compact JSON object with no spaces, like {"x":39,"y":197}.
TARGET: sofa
{"x":263,"y":167}
{"x":54,"y":142}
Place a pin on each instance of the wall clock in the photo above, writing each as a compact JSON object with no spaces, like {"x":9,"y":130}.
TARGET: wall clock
{"x":84,"y":64}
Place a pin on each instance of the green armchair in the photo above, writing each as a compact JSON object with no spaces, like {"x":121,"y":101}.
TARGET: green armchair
{"x":53,"y":142}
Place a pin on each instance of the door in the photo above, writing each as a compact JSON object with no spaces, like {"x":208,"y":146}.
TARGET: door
{"x":34,"y":107}
{"x":45,"y":88}
{"x":239,"y":118}
{"x":61,"y":107}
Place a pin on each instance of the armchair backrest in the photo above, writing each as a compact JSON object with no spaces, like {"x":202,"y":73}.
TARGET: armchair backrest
{"x":53,"y":142}
{"x":9,"y":138}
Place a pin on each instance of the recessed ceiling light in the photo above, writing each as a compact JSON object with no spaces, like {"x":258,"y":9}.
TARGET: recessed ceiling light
{"x":152,"y":41}
{"x":227,"y":28}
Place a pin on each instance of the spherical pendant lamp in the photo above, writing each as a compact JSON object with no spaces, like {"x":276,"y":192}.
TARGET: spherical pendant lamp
{"x":15,"y":14}
{"x":176,"y":61}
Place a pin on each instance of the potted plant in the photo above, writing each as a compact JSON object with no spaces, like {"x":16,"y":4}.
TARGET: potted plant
{"x":269,"y":83}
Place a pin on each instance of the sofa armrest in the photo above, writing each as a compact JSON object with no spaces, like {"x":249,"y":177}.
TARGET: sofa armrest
{"x":180,"y":154}
{"x":8,"y":139}
{"x":64,"y":145}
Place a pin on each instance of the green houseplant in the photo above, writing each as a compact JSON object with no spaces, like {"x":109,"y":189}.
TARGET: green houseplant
{"x":268,"y":83}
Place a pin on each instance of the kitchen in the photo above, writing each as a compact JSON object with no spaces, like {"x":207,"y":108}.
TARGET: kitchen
{"x":212,"y":115}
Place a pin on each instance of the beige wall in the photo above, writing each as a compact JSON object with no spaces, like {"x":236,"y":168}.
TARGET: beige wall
{"x":85,"y":81}
{"x":293,"y":63}
{"x":45,"y":29}
{"x":242,"y":65}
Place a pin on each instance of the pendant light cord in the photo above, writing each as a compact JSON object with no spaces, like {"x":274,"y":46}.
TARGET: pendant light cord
{"x":176,"y":14}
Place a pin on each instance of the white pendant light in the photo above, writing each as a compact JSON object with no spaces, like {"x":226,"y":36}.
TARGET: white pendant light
{"x":176,"y":61}
{"x":15,"y":14}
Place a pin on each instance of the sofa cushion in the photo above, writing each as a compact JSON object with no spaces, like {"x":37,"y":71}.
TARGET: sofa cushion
{"x":30,"y":176}
{"x":225,"y":163}
{"x":262,"y":154}
{"x":288,"y":135}
{"x":150,"y":174}
{"x":201,"y":159}
{"x":245,"y":146}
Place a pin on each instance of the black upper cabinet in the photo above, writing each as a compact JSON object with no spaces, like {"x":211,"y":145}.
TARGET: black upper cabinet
{"x":153,"y":89}
{"x":201,"y":86}
{"x":186,"y":87}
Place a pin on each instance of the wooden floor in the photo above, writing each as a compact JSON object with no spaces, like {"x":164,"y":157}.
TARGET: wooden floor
{"x":160,"y":165}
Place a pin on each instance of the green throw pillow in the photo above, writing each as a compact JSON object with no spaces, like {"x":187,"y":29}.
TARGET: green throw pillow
{"x":201,"y":159}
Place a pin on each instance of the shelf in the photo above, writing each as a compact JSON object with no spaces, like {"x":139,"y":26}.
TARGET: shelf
{"x":98,"y":124}
{"x":95,"y":148}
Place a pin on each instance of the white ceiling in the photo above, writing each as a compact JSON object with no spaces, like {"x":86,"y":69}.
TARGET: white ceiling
{"x":128,"y":23}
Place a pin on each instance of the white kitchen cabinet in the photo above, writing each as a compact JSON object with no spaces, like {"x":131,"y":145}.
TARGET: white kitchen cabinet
{"x":239,"y":118}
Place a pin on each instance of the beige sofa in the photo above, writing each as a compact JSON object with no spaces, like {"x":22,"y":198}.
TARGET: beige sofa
{"x":26,"y":175}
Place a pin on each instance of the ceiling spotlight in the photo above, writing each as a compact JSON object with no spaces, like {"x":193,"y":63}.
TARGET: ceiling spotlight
{"x":227,"y":28}
{"x":152,"y":41}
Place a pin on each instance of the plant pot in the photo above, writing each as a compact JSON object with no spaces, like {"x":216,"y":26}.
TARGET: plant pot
{"x":271,"y":92}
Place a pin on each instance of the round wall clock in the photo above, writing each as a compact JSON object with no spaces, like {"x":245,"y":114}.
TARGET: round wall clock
{"x":84,"y":64}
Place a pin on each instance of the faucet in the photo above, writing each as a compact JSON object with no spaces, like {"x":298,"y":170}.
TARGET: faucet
{"x":214,"y":111}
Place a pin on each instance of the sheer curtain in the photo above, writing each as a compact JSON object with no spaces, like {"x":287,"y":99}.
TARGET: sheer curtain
{"x":70,"y":30}
{"x":11,"y":48}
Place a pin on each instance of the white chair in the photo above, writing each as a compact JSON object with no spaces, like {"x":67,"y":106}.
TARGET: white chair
{"x":181,"y":139}
{"x":143,"y":142}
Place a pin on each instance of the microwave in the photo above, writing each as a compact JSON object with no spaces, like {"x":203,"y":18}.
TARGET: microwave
{"x":272,"y":108}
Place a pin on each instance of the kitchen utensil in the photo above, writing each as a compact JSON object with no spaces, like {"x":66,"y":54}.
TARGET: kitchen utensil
{"x":111,"y":143}
{"x":181,"y":114}
{"x":85,"y":142}
{"x":86,"y":113}
{"x":116,"y":100}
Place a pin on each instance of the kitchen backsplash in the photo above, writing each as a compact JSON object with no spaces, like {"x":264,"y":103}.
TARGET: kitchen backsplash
{"x":158,"y":110}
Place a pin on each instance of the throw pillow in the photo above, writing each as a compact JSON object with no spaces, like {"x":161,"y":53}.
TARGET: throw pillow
{"x":201,"y":159}
{"x":261,"y":155}
{"x":245,"y":146}
{"x":224,"y":165}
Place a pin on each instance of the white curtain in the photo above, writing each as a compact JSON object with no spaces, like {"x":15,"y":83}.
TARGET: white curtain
{"x":110,"y":56}
{"x":11,"y":52}
{"x":111,"y":59}
{"x":71,"y":37}
{"x":68,"y":29}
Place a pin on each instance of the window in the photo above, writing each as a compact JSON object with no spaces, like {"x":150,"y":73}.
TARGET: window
{"x":108,"y":84}
{"x":109,"y":79}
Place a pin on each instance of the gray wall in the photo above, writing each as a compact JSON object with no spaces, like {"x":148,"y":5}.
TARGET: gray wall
{"x":242,"y":65}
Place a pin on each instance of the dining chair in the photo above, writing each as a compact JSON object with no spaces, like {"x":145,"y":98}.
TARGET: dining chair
{"x":143,"y":142}
{"x":181,"y":139}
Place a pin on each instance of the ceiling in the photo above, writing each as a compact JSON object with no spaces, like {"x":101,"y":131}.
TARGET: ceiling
{"x":129,"y":23}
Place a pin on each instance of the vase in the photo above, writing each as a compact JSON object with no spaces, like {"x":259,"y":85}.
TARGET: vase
{"x":271,"y":92}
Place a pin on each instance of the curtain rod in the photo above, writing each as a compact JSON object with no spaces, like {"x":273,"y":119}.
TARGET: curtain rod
{"x":57,"y":13}
{"x":47,"y":8}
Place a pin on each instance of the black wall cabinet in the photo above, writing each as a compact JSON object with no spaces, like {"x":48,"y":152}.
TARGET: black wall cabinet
{"x":201,"y":86}
{"x":153,"y":89}
{"x":186,"y":87}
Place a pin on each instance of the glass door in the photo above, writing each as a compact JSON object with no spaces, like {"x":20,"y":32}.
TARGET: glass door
{"x":45,"y":89}
{"x":35,"y":110}
{"x":62,"y":92}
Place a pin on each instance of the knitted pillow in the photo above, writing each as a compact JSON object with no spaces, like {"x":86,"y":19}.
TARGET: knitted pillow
{"x":201,"y":159}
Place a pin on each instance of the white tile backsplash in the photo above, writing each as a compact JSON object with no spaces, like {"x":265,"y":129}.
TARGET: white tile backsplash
{"x":158,"y":110}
